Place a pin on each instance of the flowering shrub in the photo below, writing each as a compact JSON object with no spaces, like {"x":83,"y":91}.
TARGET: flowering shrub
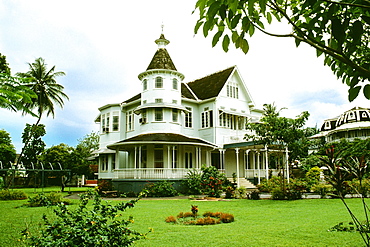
{"x":212,"y":181}
{"x":99,"y":225}
{"x":192,"y":218}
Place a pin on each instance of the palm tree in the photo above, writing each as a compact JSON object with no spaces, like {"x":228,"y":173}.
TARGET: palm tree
{"x":48,"y":92}
{"x":43,"y":83}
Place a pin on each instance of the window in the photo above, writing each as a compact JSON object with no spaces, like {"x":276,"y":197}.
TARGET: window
{"x":158,"y":114}
{"x":104,"y":162}
{"x":105,"y":122}
{"x":232,"y":90}
{"x":207,"y":118}
{"x":231,"y":121}
{"x":115,"y":124}
{"x":188,"y":118}
{"x":143,"y":119}
{"x":129,"y":121}
{"x":113,"y":161}
{"x":188,"y":160}
{"x":145,"y":84}
{"x":174,"y":101}
{"x":175,"y":115}
{"x":158,"y":82}
{"x":174,"y":156}
{"x":174,"y":84}
{"x":158,"y":100}
{"x":158,"y":156}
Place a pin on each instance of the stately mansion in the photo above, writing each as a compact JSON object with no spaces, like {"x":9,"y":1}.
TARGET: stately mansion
{"x":171,"y":126}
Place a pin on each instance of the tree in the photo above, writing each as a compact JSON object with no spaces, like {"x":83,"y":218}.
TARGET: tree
{"x":32,"y":135}
{"x":338,"y":29}
{"x":7,"y":149}
{"x":13,"y":95}
{"x":48,"y":92}
{"x":43,"y":82}
{"x":276,"y":130}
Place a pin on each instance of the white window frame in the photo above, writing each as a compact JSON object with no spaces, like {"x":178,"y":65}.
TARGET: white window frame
{"x":129,"y":120}
{"x":189,"y":118}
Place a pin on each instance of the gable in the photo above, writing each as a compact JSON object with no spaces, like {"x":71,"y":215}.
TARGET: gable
{"x":211,"y":85}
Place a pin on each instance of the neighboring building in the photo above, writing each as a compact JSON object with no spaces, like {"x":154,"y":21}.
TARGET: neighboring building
{"x":172,"y":126}
{"x":352,"y":124}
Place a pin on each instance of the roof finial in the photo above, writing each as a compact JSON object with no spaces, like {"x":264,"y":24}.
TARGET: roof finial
{"x":162,"y":27}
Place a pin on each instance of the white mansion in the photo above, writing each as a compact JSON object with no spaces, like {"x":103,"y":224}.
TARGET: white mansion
{"x":171,"y":126}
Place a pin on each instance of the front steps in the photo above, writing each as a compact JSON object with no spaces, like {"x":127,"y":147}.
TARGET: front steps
{"x":244,"y":183}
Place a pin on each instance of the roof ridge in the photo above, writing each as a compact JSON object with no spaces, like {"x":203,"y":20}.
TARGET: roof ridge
{"x":215,"y":73}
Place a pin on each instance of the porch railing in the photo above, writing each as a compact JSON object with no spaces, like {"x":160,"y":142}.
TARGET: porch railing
{"x":150,"y":173}
{"x":251,"y":173}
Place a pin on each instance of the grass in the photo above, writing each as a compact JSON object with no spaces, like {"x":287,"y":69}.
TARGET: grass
{"x":257,"y":223}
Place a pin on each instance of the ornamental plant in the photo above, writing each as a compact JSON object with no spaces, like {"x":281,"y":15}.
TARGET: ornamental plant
{"x":212,"y":181}
{"x":98,"y":225}
{"x":192,"y":218}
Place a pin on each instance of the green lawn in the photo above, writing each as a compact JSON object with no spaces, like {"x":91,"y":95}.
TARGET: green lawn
{"x":257,"y":223}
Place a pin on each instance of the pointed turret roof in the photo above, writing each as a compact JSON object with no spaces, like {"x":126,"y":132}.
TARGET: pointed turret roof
{"x":161,"y":59}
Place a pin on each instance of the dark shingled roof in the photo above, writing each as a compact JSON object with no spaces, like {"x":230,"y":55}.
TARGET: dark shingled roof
{"x":161,"y":60}
{"x":210,"y":86}
{"x":185,"y":92}
{"x":136,"y":97}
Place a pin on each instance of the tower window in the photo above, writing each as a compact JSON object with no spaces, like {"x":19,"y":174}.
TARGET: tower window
{"x":175,"y":115}
{"x":158,"y":114}
{"x":158,"y":82}
{"x":174,"y":84}
{"x":145,"y":84}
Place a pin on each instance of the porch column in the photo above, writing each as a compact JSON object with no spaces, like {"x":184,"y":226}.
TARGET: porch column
{"x":135,"y":160}
{"x":237,"y":167}
{"x":168,"y":156}
{"x":246,"y":156}
{"x":266,"y":163}
{"x":258,"y":167}
{"x":287,"y":163}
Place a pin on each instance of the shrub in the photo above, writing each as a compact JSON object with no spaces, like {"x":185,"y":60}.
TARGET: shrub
{"x":192,"y":182}
{"x":254,"y":195}
{"x":212,"y":181}
{"x":12,"y":195}
{"x":171,"y":219}
{"x":99,"y":225}
{"x":160,"y":189}
{"x":226,"y":218}
{"x":43,"y":200}
{"x":104,"y":185}
{"x":322,"y":189}
{"x":240,"y":193}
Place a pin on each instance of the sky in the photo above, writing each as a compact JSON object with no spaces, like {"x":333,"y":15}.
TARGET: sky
{"x":103,"y":46}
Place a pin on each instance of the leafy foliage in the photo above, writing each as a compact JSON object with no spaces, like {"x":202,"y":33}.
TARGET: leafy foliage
{"x":212,"y":181}
{"x":192,"y":182}
{"x":12,"y":195}
{"x":7,"y":149}
{"x":32,"y":135}
{"x":160,"y":189}
{"x":280,"y":131}
{"x":99,"y":225}
{"x":44,"y":200}
{"x":338,"y":29}
{"x":43,"y":82}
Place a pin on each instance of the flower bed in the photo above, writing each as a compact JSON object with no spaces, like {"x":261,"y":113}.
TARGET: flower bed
{"x":192,"y":218}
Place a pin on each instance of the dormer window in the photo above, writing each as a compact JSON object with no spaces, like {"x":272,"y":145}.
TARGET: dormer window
{"x":145,"y":84}
{"x":232,"y":90}
{"x":174,"y":84}
{"x":158,"y":82}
